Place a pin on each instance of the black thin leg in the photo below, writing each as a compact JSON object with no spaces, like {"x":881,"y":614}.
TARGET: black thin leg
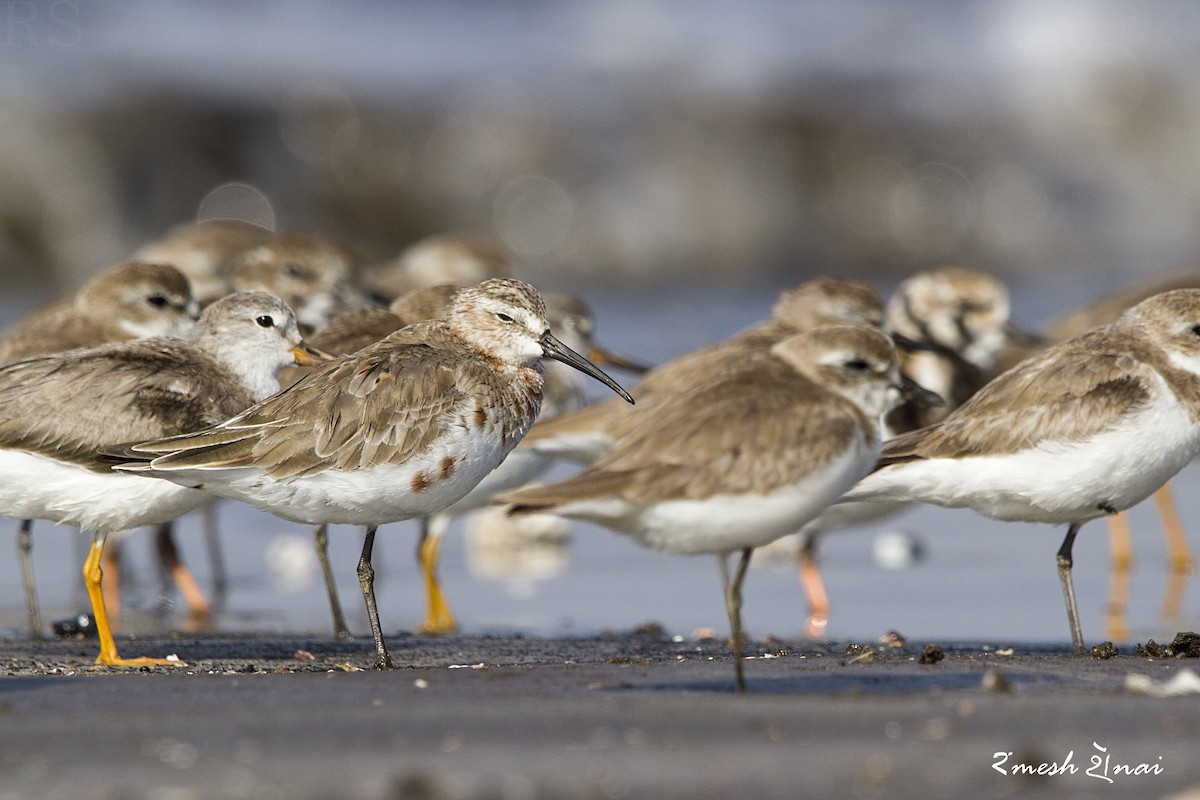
{"x":168,"y":555}
{"x":25,"y":556}
{"x":733,"y":607}
{"x":321,"y":544}
{"x":1064,"y":577}
{"x":366,"y":581}
{"x":216,"y":555}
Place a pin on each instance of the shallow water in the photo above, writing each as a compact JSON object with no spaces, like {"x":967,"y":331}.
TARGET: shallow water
{"x":978,"y":578}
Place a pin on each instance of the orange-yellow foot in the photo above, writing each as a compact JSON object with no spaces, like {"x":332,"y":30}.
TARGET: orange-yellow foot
{"x":440,"y":621}
{"x":116,"y":661}
{"x":1183,"y":565}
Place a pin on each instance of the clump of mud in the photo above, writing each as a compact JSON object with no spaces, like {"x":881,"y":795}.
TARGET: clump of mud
{"x":1184,"y":645}
{"x":859,"y":654}
{"x":932,"y":654}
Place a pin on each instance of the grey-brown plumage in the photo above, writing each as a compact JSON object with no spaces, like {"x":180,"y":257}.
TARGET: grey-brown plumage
{"x":736,"y":433}
{"x":743,"y":458}
{"x":441,"y":259}
{"x":961,"y":317}
{"x":1109,"y":308}
{"x":129,"y":301}
{"x":354,"y":329}
{"x":348,"y":332}
{"x":1180,"y":558}
{"x":389,"y":402}
{"x":69,"y":406}
{"x":310,"y":273}
{"x":1066,"y":394}
{"x":584,"y":434}
{"x":403,"y":428}
{"x":57,"y":412}
{"x":203,"y":251}
{"x":1088,"y":428}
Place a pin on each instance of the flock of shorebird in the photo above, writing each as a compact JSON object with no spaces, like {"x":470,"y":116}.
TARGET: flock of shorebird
{"x":127,"y":406}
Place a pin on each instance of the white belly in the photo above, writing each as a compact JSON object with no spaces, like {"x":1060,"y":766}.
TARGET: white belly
{"x":35,"y":487}
{"x":374,"y":496}
{"x":583,"y":448}
{"x":1054,"y":482}
{"x":519,"y":468}
{"x":724,"y":523}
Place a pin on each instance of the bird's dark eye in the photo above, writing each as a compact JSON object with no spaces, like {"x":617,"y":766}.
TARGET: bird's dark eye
{"x":158,"y":301}
{"x":265,"y":321}
{"x":858,"y":365}
{"x":1196,"y":331}
{"x":504,"y":317}
{"x":294,"y":270}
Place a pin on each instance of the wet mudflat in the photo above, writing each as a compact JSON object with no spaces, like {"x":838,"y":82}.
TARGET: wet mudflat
{"x":614,"y":716}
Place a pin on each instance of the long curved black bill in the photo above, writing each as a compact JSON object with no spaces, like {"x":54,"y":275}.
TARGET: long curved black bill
{"x":553,"y":348}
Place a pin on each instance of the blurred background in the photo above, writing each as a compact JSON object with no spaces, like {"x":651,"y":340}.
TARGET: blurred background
{"x":618,"y":142}
{"x":678,"y":163}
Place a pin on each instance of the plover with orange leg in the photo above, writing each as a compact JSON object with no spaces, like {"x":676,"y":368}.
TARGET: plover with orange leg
{"x":58,"y":411}
{"x":203,"y":250}
{"x":310,"y":273}
{"x":402,"y":429}
{"x":129,"y":301}
{"x":1089,"y":427}
{"x":742,"y":459}
{"x":586,"y":434}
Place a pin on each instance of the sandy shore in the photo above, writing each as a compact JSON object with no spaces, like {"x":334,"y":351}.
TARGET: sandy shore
{"x":621,"y":716}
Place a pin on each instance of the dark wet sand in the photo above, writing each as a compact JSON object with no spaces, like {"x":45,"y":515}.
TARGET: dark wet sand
{"x":623,"y":716}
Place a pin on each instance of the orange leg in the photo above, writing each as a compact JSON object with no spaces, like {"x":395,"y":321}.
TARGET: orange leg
{"x":814,"y":590}
{"x":93,"y":577}
{"x":439,"y":619}
{"x":111,"y":577}
{"x":1121,"y":546}
{"x":1179,"y":554}
{"x":1178,"y":550}
{"x":185,"y":581}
